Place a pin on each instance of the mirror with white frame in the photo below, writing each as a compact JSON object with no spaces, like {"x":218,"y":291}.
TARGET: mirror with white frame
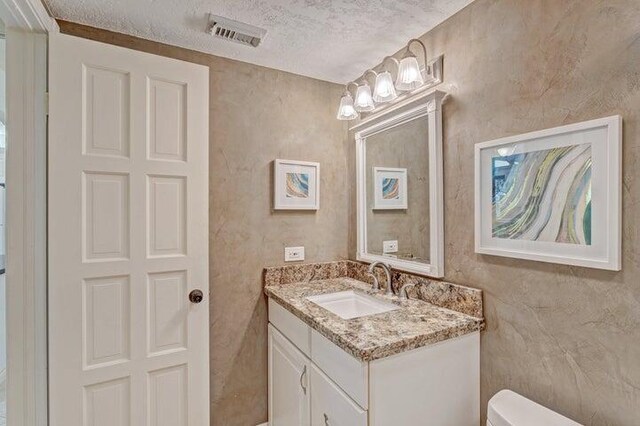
{"x":399,"y":181}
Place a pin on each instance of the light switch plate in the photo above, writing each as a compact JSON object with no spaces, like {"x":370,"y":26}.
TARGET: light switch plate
{"x":293,"y":254}
{"x":390,"y":246}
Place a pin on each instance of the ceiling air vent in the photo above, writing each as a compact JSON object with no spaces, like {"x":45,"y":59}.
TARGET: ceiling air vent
{"x":231,"y":30}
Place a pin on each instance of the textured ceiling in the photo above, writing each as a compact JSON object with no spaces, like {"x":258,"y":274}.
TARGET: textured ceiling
{"x":333,"y":40}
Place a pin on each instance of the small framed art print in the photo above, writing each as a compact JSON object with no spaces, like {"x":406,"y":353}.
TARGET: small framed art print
{"x":390,"y":188}
{"x":296,"y":185}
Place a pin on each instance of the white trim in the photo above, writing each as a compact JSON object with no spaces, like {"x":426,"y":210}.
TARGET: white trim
{"x":26,"y":81}
{"x":29,"y":15}
{"x":26,"y":229}
{"x":580,"y":256}
{"x":400,"y":102}
{"x":429,"y":107}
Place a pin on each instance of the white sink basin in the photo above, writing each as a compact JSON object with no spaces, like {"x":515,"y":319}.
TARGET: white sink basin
{"x":352,"y":304}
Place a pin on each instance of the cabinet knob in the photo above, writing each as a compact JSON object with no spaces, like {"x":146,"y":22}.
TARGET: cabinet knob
{"x":196,"y":296}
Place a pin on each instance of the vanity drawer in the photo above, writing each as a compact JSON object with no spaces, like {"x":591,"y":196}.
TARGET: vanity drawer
{"x":346,"y":371}
{"x":291,"y":326}
{"x":330,"y":405}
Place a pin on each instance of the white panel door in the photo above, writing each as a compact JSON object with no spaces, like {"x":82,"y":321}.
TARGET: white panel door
{"x":128,"y":237}
{"x":289,"y":392}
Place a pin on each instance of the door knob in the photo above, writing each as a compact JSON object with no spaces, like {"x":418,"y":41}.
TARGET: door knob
{"x":196,"y":296}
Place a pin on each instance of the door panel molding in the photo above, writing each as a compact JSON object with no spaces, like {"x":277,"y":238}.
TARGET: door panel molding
{"x":128,"y":241}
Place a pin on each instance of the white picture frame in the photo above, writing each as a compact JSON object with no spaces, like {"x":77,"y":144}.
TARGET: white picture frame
{"x":390,"y":188}
{"x":577,"y":215}
{"x":296,"y":185}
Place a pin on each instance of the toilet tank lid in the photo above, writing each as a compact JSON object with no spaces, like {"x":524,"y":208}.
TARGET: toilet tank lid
{"x":508,"y":408}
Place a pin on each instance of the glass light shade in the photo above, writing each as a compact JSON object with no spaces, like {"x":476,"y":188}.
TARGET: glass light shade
{"x":409,"y":75}
{"x":346,"y":111}
{"x":364,"y":101}
{"x":384,"y":91}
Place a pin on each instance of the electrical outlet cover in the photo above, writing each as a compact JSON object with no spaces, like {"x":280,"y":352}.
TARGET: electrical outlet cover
{"x":293,"y":254}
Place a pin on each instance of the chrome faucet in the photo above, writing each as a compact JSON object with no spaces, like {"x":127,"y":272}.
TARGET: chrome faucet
{"x":387,"y":271}
{"x":402,"y":293}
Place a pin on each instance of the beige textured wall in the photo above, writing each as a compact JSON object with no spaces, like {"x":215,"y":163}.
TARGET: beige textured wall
{"x":406,"y":147}
{"x":564,"y":336}
{"x":567,"y":337}
{"x":256,"y":115}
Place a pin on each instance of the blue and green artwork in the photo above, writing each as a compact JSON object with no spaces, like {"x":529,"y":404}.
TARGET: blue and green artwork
{"x":390,"y":188}
{"x":543,"y":195}
{"x":297,"y":185}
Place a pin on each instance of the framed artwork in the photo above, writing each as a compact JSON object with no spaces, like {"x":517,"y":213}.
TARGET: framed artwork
{"x":296,"y":185}
{"x":552,"y":195}
{"x":390,"y":188}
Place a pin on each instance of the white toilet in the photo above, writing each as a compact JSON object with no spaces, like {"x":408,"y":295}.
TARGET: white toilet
{"x":508,"y":408}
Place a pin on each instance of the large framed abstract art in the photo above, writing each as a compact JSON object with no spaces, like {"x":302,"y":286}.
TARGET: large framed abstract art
{"x":552,"y":195}
{"x":296,"y":185}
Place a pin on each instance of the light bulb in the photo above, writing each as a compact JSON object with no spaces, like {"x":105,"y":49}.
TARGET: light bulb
{"x":346,"y":111}
{"x":384,"y":91}
{"x":364,"y":101}
{"x":409,"y":75}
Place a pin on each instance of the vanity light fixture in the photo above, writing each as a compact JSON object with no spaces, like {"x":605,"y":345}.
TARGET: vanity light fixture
{"x":364,"y":100}
{"x":409,"y":73}
{"x":384,"y":90}
{"x":346,"y":111}
{"x":410,"y":78}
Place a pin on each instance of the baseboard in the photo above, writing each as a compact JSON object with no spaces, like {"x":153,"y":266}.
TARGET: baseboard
{"x":264,"y":424}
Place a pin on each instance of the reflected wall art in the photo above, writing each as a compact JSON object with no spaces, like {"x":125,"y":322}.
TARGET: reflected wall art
{"x":296,"y":185}
{"x":390,"y":188}
{"x":552,"y":195}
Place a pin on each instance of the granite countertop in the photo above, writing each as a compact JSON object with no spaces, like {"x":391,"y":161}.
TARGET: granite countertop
{"x":417,"y":323}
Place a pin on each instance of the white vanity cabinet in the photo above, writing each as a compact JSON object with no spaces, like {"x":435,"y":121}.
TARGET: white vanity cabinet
{"x":314,"y":382}
{"x":289,"y":397}
{"x":330,"y":405}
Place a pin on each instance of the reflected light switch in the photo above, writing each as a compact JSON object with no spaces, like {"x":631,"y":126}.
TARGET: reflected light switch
{"x":390,"y":246}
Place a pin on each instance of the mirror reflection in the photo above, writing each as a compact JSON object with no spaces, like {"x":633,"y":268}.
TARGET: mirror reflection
{"x":397,"y":191}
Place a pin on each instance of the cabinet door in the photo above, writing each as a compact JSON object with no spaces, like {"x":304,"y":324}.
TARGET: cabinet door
{"x":288,"y":383}
{"x":330,"y":406}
